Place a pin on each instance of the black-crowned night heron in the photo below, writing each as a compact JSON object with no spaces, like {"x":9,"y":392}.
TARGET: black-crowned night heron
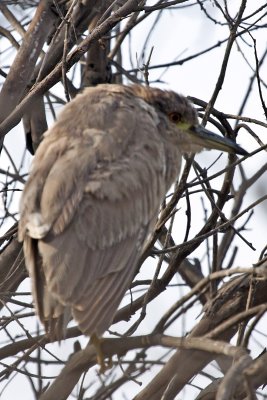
{"x":93,"y":196}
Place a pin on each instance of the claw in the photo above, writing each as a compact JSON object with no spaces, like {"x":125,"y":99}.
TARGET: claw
{"x":100,"y":357}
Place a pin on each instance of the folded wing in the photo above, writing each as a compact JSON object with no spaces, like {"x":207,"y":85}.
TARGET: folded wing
{"x":90,"y":202}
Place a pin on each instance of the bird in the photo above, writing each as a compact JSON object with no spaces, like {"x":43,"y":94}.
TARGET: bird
{"x":93,"y":195}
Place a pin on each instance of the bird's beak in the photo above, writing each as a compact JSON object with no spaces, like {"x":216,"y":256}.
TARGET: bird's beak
{"x":210,"y":140}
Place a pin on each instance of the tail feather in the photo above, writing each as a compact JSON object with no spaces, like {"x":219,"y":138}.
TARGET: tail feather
{"x":52,"y":314}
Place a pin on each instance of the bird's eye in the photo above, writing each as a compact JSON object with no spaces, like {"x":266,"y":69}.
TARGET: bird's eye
{"x":175,"y":117}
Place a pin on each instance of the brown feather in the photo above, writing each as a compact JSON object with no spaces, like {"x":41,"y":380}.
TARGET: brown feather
{"x":92,"y":198}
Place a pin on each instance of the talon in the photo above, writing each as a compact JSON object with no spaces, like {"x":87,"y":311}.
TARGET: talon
{"x":100,"y":357}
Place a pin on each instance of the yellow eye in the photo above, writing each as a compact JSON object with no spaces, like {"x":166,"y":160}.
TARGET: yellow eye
{"x":175,"y":117}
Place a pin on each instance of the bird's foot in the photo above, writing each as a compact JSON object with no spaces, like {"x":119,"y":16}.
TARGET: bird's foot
{"x":100,"y":357}
{"x":104,"y":366}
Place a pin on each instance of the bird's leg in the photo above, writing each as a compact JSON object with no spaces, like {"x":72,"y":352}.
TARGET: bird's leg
{"x":96,"y":341}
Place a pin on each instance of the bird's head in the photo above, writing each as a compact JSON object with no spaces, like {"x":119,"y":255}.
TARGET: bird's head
{"x":182,"y":116}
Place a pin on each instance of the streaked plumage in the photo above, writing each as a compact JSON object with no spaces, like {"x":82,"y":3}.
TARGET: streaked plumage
{"x":93,"y":195}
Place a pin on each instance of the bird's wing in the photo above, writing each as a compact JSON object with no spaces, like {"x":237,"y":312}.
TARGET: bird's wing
{"x":92,"y":197}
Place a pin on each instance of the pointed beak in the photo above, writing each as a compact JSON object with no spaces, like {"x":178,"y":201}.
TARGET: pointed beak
{"x":210,"y":140}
